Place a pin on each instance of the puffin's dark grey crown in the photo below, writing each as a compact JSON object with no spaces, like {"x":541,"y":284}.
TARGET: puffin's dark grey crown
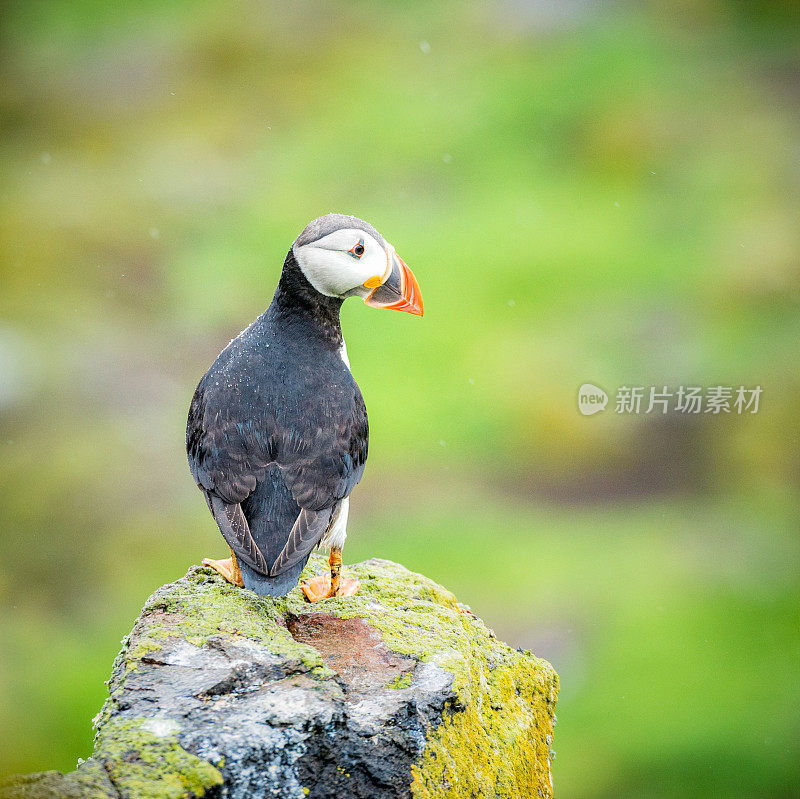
{"x":324,"y":225}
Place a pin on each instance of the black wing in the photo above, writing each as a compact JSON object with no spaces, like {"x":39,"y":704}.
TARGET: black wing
{"x":236,"y":531}
{"x":308,"y":529}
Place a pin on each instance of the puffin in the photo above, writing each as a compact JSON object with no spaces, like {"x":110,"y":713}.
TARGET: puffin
{"x":277,"y":433}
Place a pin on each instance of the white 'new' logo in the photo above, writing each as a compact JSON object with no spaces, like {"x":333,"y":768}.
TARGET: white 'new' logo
{"x":591,"y":399}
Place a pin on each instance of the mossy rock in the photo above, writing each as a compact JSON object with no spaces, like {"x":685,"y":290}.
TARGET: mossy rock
{"x":399,"y":691}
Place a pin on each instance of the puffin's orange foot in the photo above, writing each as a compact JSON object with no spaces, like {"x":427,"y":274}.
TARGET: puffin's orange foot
{"x":320,"y":588}
{"x":228,"y":568}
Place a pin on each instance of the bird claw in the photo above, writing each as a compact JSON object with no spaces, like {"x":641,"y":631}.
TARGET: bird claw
{"x":320,"y":588}
{"x":228,"y":568}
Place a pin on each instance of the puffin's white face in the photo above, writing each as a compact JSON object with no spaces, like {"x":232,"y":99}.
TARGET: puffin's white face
{"x":351,"y":262}
{"x":344,"y":263}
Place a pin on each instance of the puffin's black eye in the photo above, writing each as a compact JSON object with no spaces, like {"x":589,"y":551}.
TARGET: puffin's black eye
{"x":358,"y":250}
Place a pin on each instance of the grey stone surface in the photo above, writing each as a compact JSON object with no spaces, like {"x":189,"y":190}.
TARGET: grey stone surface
{"x":218,"y":692}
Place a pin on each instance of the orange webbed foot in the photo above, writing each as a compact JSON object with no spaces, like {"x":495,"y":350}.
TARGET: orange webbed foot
{"x":228,"y":568}
{"x":320,"y":588}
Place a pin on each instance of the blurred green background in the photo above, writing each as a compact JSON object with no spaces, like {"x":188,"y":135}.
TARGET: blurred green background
{"x":586,"y":191}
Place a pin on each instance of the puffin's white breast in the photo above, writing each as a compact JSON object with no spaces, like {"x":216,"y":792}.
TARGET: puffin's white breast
{"x":343,"y":354}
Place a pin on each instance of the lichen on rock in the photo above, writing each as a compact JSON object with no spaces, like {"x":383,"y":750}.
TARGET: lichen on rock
{"x":399,"y":691}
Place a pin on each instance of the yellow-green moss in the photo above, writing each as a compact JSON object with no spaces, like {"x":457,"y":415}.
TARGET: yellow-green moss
{"x":203,"y":605}
{"x":147,"y":766}
{"x":497,"y":746}
{"x":401,"y":681}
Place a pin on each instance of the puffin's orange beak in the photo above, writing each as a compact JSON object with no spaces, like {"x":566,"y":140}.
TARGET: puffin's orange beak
{"x":399,"y":291}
